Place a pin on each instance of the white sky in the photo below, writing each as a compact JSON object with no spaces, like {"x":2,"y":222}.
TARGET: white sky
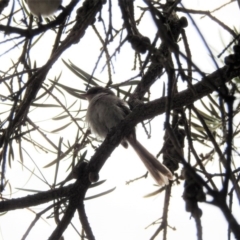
{"x":123,"y":214}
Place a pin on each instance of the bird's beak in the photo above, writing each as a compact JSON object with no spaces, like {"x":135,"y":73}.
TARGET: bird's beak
{"x":83,"y":96}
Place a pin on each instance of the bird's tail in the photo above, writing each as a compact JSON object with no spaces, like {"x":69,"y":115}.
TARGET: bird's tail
{"x":159,"y":171}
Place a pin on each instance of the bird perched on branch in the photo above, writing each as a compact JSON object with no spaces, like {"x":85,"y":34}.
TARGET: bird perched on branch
{"x":104,"y":112}
{"x":43,"y":7}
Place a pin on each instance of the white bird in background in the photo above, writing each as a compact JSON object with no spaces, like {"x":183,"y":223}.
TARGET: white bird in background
{"x":43,"y":7}
{"x":104,"y":112}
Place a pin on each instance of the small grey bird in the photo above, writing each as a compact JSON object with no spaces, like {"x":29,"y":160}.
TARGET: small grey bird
{"x":43,"y":7}
{"x":104,"y":112}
